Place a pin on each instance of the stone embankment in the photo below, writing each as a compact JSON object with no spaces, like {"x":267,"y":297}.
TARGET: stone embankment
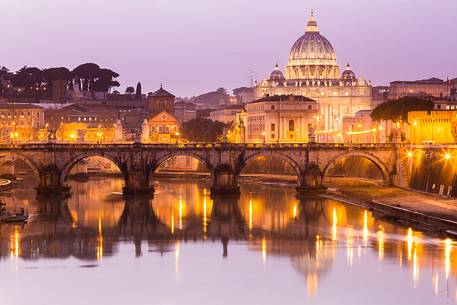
{"x":427,"y":212}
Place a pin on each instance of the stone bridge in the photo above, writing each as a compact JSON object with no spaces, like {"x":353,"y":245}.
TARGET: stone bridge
{"x":53,"y":162}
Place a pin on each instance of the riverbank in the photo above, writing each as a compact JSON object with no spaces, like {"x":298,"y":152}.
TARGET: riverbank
{"x":422,"y":211}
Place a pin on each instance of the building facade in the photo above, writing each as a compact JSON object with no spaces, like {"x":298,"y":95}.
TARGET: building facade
{"x":161,"y":100}
{"x":434,"y":87}
{"x":432,"y":127}
{"x":312,"y":71}
{"x":277,"y":119}
{"x":20,"y":122}
{"x":225,"y":115}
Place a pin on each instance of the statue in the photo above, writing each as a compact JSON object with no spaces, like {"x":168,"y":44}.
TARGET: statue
{"x":145,"y":131}
{"x":52,"y":135}
{"x":81,"y":135}
{"x":311,"y":135}
{"x":118,"y":132}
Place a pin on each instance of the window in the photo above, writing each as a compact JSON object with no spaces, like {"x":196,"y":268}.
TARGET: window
{"x":291,"y":125}
{"x":310,"y":107}
{"x":272,"y":107}
{"x":272,"y":135}
{"x":272,"y":127}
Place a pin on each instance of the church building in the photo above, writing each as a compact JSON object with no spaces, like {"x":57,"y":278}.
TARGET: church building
{"x":313,"y":72}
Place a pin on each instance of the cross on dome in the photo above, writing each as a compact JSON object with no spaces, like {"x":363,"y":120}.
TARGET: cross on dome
{"x":312,"y":24}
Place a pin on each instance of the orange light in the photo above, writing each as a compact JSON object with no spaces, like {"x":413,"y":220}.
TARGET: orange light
{"x":409,"y":154}
{"x":447,"y":156}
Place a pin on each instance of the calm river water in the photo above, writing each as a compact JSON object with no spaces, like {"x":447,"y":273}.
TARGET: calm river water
{"x":183,"y":247}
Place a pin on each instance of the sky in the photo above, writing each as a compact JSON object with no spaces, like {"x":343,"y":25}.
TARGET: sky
{"x":195,"y":46}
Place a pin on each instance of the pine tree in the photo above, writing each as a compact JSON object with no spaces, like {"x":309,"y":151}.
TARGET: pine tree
{"x":138,"y":91}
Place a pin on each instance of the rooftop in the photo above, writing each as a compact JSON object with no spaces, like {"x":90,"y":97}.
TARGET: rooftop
{"x":19,"y":106}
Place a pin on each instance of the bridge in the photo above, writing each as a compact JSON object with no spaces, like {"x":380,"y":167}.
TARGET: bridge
{"x":52,"y":162}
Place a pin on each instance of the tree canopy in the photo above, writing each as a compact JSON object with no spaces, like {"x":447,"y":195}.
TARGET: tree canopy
{"x":202,"y":130}
{"x":398,"y":109}
{"x":217,"y":97}
{"x":129,"y":90}
{"x":138,"y":91}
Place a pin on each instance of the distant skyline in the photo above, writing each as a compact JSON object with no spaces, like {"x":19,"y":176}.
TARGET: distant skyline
{"x":195,"y":46}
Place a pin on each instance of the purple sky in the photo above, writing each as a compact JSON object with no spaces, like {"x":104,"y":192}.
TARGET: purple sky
{"x":194,"y":46}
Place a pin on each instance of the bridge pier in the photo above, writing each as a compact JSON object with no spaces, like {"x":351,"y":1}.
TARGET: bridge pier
{"x":311,"y":182}
{"x":50,"y":185}
{"x":225,"y":181}
{"x":137,"y":183}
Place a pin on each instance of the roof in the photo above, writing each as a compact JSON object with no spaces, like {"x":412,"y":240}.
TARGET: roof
{"x":19,"y":106}
{"x":283,"y":98}
{"x":432,"y":80}
{"x":162,"y":93}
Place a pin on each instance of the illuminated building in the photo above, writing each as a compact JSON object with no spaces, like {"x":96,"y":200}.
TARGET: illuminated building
{"x":277,"y":119}
{"x":437,"y":127}
{"x":161,"y":128}
{"x":360,"y":128}
{"x":313,"y":72}
{"x":225,"y":115}
{"x":20,"y":122}
{"x":82,"y":123}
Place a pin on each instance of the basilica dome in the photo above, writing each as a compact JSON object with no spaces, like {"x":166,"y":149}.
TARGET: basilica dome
{"x":348,"y":74}
{"x":312,"y":56}
{"x":276,"y":75}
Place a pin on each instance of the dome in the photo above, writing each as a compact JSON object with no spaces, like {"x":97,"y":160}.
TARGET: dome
{"x":312,"y":56}
{"x":277,"y":75}
{"x":312,"y":47}
{"x":348,"y":74}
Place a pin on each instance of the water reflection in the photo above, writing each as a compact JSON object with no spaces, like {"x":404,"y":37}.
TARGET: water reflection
{"x":96,"y":223}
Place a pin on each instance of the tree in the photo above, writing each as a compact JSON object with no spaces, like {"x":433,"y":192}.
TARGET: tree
{"x":398,"y":109}
{"x":88,"y":72}
{"x":138,"y":91}
{"x":105,"y":81}
{"x":202,"y":130}
{"x":217,"y":97}
{"x":129,"y":90}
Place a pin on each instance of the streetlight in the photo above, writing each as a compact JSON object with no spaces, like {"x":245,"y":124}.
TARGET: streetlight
{"x":263,"y":134}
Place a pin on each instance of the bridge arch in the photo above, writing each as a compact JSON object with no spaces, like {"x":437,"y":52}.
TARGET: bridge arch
{"x":75,"y":160}
{"x":162,"y":159}
{"x":33,"y":166}
{"x":294,"y":164}
{"x":355,"y":154}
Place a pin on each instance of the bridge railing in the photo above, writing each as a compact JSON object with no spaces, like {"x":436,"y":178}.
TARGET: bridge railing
{"x":209,"y":145}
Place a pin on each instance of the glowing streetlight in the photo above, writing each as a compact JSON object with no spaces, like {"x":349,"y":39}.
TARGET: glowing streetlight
{"x":447,"y":156}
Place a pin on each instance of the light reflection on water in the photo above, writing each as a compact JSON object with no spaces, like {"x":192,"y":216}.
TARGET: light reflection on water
{"x":264,"y":248}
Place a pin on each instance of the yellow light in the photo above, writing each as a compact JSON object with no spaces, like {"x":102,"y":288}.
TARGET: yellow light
{"x":410,"y":240}
{"x":380,"y":128}
{"x":447,"y":156}
{"x":72,"y":136}
{"x":381,"y":244}
{"x":365,"y":226}
{"x":409,"y":154}
{"x":264,"y":249}
{"x":414,"y":123}
{"x":447,"y":257}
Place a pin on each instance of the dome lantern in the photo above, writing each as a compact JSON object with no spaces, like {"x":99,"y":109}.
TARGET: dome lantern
{"x":312,"y":56}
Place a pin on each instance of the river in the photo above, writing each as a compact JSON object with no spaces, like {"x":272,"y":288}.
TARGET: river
{"x":185,"y":247}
